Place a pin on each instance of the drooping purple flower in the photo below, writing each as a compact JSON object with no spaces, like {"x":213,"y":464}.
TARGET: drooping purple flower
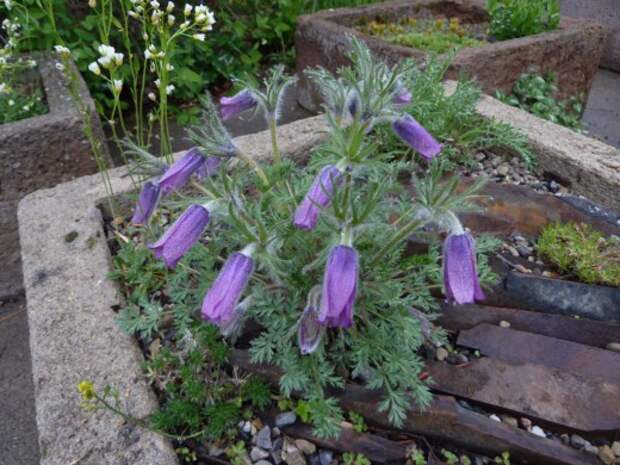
{"x":180,"y":237}
{"x":318,"y":196}
{"x":402,"y":95}
{"x":221,"y":299}
{"x":339,"y":287}
{"x":309,"y":331}
{"x":177,"y":175}
{"x":238,"y":103}
{"x":208,"y":168}
{"x":459,"y":269}
{"x":147,"y":202}
{"x":416,"y":137}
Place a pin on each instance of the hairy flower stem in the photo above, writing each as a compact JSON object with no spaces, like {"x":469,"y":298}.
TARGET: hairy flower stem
{"x":251,"y":162}
{"x":396,"y":239}
{"x":277,"y":158}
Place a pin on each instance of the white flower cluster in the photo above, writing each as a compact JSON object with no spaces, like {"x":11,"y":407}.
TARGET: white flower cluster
{"x":109,"y":59}
{"x":160,"y":15}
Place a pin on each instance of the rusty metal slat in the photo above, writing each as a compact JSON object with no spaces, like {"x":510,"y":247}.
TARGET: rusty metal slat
{"x":588,"y":332}
{"x":515,"y":346}
{"x":536,"y":391}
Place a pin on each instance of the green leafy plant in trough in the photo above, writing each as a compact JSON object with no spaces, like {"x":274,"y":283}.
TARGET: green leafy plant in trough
{"x":535,"y":94}
{"x":352,"y":458}
{"x":435,"y":35}
{"x":580,"y":250}
{"x":519,"y":18}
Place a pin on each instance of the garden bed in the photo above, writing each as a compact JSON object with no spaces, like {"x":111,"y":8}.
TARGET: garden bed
{"x":72,"y":303}
{"x":572,"y":52}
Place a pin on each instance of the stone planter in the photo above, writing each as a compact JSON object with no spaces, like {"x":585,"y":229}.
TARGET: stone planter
{"x":571,"y":52}
{"x":40,"y":152}
{"x":71,"y":302}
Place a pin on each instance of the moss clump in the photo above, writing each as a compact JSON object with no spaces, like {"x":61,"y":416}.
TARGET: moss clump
{"x":437,"y":35}
{"x":581,"y":250}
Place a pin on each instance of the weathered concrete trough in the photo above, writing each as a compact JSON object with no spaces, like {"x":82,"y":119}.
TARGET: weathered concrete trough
{"x":572,"y":52}
{"x":70,"y":303}
{"x":40,"y":152}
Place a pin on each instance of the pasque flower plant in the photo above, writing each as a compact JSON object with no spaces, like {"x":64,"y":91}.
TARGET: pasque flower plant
{"x":315,"y":254}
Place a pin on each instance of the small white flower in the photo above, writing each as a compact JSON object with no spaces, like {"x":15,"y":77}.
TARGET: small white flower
{"x":170,"y":20}
{"x":169,"y":67}
{"x":188,"y":9}
{"x":152,"y":96}
{"x":105,"y":61}
{"x":25,"y":108}
{"x":94,"y":68}
{"x":3,"y":88}
{"x":154,"y":4}
{"x":152,"y":67}
{"x":106,"y":50}
{"x":139,"y":8}
{"x":157,"y":83}
{"x":133,"y":14}
{"x":11,"y":102}
{"x":169,"y":89}
{"x":8,"y":4}
{"x":62,"y":50}
{"x":118,"y":59}
{"x":145,"y":36}
{"x":155,"y":17}
{"x":92,"y":3}
{"x":32,"y":63}
{"x":147,"y":54}
{"x":169,"y":7}
{"x":199,"y":37}
{"x":60,"y":67}
{"x":151,"y":117}
{"x":185,"y":24}
{"x":117,"y":84}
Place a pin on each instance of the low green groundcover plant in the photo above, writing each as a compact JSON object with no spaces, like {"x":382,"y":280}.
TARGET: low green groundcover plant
{"x":536,"y":94}
{"x":520,"y":18}
{"x":432,"y":35}
{"x":580,"y":250}
{"x":314,"y":254}
{"x":17,"y":102}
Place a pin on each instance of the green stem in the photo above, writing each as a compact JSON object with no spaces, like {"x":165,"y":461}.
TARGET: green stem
{"x":396,"y":239}
{"x":277,"y":158}
{"x":251,"y":162}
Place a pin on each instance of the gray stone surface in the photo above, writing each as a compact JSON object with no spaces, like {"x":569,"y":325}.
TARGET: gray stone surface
{"x":602,"y":114}
{"x":70,"y":312}
{"x":18,"y":430}
{"x":572,"y":52}
{"x":606,"y":12}
{"x":10,"y":272}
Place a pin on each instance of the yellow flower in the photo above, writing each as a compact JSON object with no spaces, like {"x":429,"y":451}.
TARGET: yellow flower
{"x":87,"y":389}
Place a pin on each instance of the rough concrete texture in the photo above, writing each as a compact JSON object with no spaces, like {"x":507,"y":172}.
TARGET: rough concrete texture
{"x":572,"y":52}
{"x":584,"y":164}
{"x":70,"y":312}
{"x":18,"y":429}
{"x":39,"y":152}
{"x":602,"y":114}
{"x":606,"y":12}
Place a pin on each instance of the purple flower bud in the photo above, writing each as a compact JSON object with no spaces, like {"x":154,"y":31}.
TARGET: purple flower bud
{"x":402,"y":95}
{"x":459,"y":269}
{"x":177,"y":175}
{"x":318,"y":196}
{"x":147,"y":202}
{"x":416,"y":137}
{"x":309,"y":331}
{"x":339,"y":286}
{"x":221,"y":299}
{"x":208,"y":168}
{"x":232,"y":106}
{"x":180,"y":237}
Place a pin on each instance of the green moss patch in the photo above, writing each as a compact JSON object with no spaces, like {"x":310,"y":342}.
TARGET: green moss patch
{"x":581,"y":250}
{"x":435,"y":35}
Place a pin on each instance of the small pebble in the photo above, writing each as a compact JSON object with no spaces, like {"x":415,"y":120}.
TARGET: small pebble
{"x":538,"y":431}
{"x":457,"y":359}
{"x":257,"y":454}
{"x":616,"y":448}
{"x":521,"y":269}
{"x":606,"y":455}
{"x":263,"y":462}
{"x":512,"y":421}
{"x":591,"y":449}
{"x":577,"y":441}
{"x":504,"y":324}
{"x":285,"y":419}
{"x":306,"y":447}
{"x":495,"y":418}
{"x":294,"y":457}
{"x":615,"y":346}
{"x":263,"y":438}
{"x":326,"y":456}
{"x":441,"y":354}
{"x":525,"y":423}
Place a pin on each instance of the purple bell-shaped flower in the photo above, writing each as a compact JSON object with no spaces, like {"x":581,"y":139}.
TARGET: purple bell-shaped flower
{"x":237,"y":104}
{"x":402,"y":96}
{"x":182,"y":235}
{"x":309,"y":331}
{"x":220,"y":302}
{"x":319,"y":196}
{"x":179,"y":173}
{"x":339,"y":287}
{"x":416,"y":137}
{"x":459,"y":269}
{"x":147,"y":202}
